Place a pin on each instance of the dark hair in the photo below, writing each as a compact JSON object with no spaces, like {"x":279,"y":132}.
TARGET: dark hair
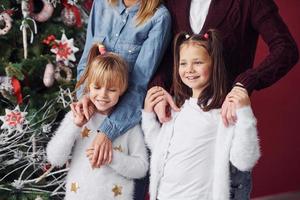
{"x":108,"y":70}
{"x":214,"y":94}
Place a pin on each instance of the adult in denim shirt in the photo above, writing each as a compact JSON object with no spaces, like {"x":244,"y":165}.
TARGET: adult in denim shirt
{"x":141,"y":41}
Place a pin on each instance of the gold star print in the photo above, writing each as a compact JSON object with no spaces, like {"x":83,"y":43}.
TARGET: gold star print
{"x":117,"y":190}
{"x":118,"y":148}
{"x":85,"y":132}
{"x":74,"y":187}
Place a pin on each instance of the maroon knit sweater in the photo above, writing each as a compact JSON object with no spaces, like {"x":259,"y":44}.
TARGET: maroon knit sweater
{"x":240,"y":23}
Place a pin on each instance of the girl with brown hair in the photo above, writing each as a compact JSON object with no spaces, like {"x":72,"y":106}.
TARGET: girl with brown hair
{"x":191,"y":153}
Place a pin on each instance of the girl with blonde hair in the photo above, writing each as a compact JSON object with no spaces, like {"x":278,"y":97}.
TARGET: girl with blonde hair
{"x":106,"y":80}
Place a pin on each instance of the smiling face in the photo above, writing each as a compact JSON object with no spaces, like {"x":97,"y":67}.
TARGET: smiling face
{"x":194,"y":67}
{"x":104,"y":98}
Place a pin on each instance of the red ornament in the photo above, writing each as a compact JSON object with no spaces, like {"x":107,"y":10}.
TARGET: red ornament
{"x":49,"y":40}
{"x":71,"y":15}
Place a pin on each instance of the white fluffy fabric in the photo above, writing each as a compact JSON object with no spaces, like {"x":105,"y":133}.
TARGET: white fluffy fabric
{"x":97,"y":184}
{"x":237,"y":144}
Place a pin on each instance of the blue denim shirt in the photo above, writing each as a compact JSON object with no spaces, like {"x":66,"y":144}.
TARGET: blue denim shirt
{"x":141,"y":46}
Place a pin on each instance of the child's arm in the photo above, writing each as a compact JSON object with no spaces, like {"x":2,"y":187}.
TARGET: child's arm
{"x":135,"y":163}
{"x":151,"y":128}
{"x":245,"y":149}
{"x":150,"y":125}
{"x":60,"y":146}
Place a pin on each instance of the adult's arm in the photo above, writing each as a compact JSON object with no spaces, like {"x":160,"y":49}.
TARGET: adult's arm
{"x":164,"y":73}
{"x":128,"y":111}
{"x":151,"y":128}
{"x":283,"y":51}
{"x":88,"y":44}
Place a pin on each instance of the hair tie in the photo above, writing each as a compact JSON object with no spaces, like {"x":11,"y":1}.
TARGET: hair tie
{"x":187,"y":36}
{"x":206,"y":36}
{"x":102,"y":49}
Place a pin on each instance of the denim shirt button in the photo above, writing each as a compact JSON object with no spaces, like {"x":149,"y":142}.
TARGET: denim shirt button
{"x":117,"y":34}
{"x":240,"y":186}
{"x":124,"y":20}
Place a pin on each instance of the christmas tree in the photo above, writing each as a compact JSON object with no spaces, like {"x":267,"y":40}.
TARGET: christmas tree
{"x":41,"y":42}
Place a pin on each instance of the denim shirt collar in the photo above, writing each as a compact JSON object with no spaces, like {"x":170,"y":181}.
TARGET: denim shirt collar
{"x":132,"y":9}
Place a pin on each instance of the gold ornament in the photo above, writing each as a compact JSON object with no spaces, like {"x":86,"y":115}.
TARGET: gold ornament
{"x":117,"y":190}
{"x":118,"y":148}
{"x":74,"y":187}
{"x":85,"y":132}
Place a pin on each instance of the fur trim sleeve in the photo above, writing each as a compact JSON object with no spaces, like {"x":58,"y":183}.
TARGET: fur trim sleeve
{"x":60,"y":146}
{"x":135,"y":164}
{"x":245,"y":150}
{"x":151,"y":128}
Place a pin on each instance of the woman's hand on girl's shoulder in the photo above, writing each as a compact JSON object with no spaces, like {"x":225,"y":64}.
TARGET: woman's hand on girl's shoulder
{"x":154,"y":96}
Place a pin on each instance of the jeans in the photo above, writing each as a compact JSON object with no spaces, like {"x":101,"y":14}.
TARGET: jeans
{"x":141,"y":188}
{"x":241,"y":184}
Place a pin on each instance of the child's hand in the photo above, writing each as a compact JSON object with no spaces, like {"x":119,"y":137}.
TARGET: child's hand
{"x":163,"y":108}
{"x":154,"y":96}
{"x":89,"y":154}
{"x":79,"y":118}
{"x":88,"y":107}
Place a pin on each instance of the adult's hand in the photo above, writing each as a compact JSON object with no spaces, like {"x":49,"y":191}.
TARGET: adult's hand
{"x":236,"y":98}
{"x":102,"y":147}
{"x":163,"y":108}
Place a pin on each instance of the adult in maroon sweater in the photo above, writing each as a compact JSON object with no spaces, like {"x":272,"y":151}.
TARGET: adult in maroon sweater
{"x":240,"y":23}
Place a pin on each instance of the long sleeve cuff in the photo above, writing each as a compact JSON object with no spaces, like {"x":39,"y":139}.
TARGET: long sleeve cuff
{"x":245,"y":114}
{"x":148,"y":115}
{"x":249,"y":81}
{"x":111,"y":131}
